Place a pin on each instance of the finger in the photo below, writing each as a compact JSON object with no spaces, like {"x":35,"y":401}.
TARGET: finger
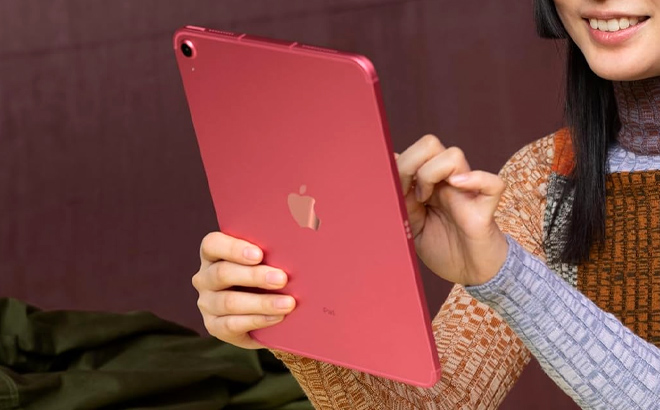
{"x":396,"y":156}
{"x":222,"y":275}
{"x":235,"y":328}
{"x":416,"y":213}
{"x":414,"y":157}
{"x":482,"y":182}
{"x":449,"y":162}
{"x":219,"y":246}
{"x":243,"y":303}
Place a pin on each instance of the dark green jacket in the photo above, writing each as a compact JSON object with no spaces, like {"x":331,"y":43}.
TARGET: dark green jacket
{"x":70,"y":360}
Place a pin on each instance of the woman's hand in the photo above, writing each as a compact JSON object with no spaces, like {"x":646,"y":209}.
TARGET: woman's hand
{"x":451,"y":211}
{"x":229,"y":314}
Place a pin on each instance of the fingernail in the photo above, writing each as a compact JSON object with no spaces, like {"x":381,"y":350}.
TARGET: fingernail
{"x":457,"y":179}
{"x":283,"y":303}
{"x":273,"y":318}
{"x":252,"y":253}
{"x":275,"y":278}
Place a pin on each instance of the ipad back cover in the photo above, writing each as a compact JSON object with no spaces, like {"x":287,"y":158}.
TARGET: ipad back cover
{"x":298,"y":159}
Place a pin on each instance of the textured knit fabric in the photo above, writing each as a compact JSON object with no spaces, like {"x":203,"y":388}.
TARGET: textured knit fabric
{"x":555,"y":224}
{"x":558,"y":207}
{"x":621,"y":160}
{"x":590,"y":354}
{"x":623,"y":277}
{"x":638,"y":103}
{"x":593,"y":341}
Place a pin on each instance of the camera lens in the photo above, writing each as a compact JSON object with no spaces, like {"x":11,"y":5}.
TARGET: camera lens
{"x":186,"y":49}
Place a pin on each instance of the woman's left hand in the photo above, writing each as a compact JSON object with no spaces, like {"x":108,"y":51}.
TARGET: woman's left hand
{"x":451,"y":211}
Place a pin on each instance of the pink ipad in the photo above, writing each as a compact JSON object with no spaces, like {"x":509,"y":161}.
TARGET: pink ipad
{"x":299,"y":161}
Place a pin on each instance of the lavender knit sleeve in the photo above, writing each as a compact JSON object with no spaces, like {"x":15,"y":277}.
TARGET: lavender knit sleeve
{"x":590,"y":354}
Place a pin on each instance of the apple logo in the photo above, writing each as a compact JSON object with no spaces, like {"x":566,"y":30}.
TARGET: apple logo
{"x":302,"y":210}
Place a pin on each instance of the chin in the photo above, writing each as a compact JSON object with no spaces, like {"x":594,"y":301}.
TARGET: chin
{"x":617,"y":67}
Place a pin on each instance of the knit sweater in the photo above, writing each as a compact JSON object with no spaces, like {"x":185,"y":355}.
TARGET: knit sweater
{"x":595,"y":327}
{"x":588,"y":325}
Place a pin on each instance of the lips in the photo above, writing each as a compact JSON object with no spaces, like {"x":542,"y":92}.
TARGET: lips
{"x":612,"y":30}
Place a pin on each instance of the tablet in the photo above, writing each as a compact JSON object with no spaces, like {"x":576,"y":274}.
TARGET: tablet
{"x":299,"y":161}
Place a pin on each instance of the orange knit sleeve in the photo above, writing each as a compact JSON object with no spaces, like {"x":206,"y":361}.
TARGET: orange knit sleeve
{"x":481,"y":357}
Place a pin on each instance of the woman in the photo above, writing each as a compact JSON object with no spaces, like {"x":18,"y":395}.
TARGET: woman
{"x":568,"y":253}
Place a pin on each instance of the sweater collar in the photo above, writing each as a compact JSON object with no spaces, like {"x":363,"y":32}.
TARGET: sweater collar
{"x":639,"y":113}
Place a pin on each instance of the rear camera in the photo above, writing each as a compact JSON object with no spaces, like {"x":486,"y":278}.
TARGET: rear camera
{"x":186,"y":49}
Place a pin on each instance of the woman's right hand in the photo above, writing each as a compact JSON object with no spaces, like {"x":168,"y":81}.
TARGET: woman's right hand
{"x":230,"y":314}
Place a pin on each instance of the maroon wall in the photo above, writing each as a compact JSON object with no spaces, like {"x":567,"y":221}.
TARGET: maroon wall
{"x":103,"y":199}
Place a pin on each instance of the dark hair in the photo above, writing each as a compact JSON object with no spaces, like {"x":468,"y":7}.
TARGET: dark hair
{"x":593,"y":121}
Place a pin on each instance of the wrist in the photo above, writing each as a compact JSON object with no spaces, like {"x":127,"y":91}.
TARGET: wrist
{"x":491,"y":261}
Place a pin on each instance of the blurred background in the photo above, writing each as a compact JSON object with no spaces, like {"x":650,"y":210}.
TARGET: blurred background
{"x":103,"y":199}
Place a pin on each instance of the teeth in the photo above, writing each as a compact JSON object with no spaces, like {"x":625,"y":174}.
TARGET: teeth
{"x":624,"y":23}
{"x":613,"y":24}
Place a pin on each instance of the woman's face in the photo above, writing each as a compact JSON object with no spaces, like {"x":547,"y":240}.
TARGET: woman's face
{"x":619,"y":38}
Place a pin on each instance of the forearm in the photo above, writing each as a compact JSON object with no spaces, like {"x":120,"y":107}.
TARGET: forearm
{"x":590,"y":354}
{"x":481,"y":358}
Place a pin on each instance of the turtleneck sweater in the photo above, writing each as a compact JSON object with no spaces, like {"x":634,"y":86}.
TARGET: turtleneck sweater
{"x":638,"y":103}
{"x":596,"y":327}
{"x":588,"y":325}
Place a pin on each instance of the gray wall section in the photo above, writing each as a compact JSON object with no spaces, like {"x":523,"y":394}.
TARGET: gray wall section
{"x":103,"y":199}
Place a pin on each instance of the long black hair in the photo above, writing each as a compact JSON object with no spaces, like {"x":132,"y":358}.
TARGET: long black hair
{"x":593,"y":121}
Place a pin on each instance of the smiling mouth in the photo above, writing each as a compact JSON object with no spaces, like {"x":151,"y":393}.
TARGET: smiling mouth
{"x":617,"y":24}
